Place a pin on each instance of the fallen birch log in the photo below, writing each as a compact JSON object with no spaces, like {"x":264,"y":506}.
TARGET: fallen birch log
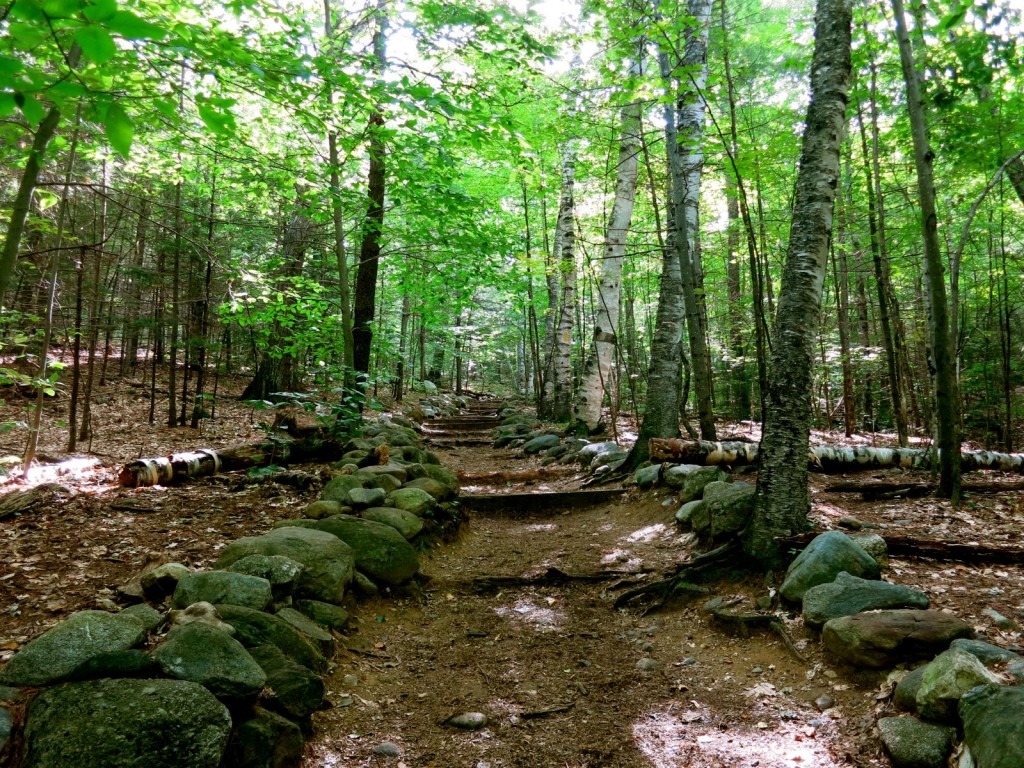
{"x":824,"y":458}
{"x":168,"y":470}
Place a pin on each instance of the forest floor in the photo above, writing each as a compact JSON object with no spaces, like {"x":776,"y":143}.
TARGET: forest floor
{"x":564,"y":680}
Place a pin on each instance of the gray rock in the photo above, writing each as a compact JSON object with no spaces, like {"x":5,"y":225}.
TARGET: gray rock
{"x":282,"y":572}
{"x":541,"y":443}
{"x":386,"y":483}
{"x":327,"y":562}
{"x":395,"y":470}
{"x":588,"y":453}
{"x":203,"y":613}
{"x":986,"y":653}
{"x":824,"y":558}
{"x":468,"y":721}
{"x":413,"y":500}
{"x":874,"y":545}
{"x":726,"y":509}
{"x":435,"y":488}
{"x":429,"y":387}
{"x":946,"y":679}
{"x":691,"y":480}
{"x":263,"y":739}
{"x":324,"y":614}
{"x":361,"y":498}
{"x":993,"y":719}
{"x":648,"y":665}
{"x":292,"y":689}
{"x":6,"y":726}
{"x":126,"y":724}
{"x":255,"y":628}
{"x":909,"y":743}
{"x":904,"y":697}
{"x":443,"y":475}
{"x":130,"y":663}
{"x":380,"y":551}
{"x":848,"y":595}
{"x":150,"y":617}
{"x":608,"y":460}
{"x":161,"y":581}
{"x":364,"y":586}
{"x":223,"y":587}
{"x":647,"y":477}
{"x":387,"y":749}
{"x":338,"y":487}
{"x":675,"y":474}
{"x":310,"y":629}
{"x":57,"y":653}
{"x":406,"y":523}
{"x":201,"y":654}
{"x":885,"y":638}
{"x":685,"y":513}
{"x":323,"y":508}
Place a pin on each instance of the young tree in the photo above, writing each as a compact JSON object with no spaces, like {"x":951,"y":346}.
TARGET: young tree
{"x":782,"y":497}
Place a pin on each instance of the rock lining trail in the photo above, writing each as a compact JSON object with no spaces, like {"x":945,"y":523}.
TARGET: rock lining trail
{"x":543,"y":672}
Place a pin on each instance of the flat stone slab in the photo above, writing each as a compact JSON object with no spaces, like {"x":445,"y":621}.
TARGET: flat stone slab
{"x":909,"y":743}
{"x":848,"y":595}
{"x":885,"y":638}
{"x":993,"y":719}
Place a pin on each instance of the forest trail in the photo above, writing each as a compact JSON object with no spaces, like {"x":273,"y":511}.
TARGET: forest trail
{"x":563,"y":679}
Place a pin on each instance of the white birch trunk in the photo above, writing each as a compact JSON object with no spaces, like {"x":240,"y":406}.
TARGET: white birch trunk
{"x":597,"y":370}
{"x":562,"y":351}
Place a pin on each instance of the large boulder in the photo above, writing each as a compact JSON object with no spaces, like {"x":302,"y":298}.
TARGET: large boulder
{"x":435,"y":488}
{"x":848,"y":595}
{"x":589,"y":455}
{"x":255,"y":628}
{"x":324,"y":614}
{"x":691,"y":479}
{"x":57,"y":653}
{"x":726,"y":509}
{"x":381,"y":552}
{"x":161,"y":581}
{"x":292,"y":689}
{"x":885,"y":638}
{"x":227,"y":587}
{"x":904,"y":695}
{"x":946,"y":679}
{"x":126,"y":724}
{"x":406,"y":523}
{"x":993,"y":719}
{"x":443,"y":475}
{"x":647,"y":477}
{"x":201,"y":654}
{"x":909,"y":743}
{"x":414,"y":500}
{"x":822,"y":560}
{"x":362,"y":498}
{"x":987,"y":653}
{"x":281,"y":572}
{"x":338,"y":488}
{"x":327,"y":562}
{"x":541,"y":443}
{"x":395,"y":470}
{"x":309,"y":629}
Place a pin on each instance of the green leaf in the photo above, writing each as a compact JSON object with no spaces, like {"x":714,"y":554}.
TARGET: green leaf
{"x":221,"y":123}
{"x":30,"y":108}
{"x":131,"y":27}
{"x":46,"y":199}
{"x":100,"y":10}
{"x":96,"y":44}
{"x":9,"y":66}
{"x":27,"y":36}
{"x":119,"y":129}
{"x":60,"y":9}
{"x":7,"y":104}
{"x":954,"y":17}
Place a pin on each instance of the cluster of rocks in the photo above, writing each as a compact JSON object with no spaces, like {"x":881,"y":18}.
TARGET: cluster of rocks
{"x":526,"y":432}
{"x":436,"y":404}
{"x":967,"y":687}
{"x":224,"y":666}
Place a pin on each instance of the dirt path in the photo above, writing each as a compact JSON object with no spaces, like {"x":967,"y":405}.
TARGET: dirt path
{"x":563,"y":679}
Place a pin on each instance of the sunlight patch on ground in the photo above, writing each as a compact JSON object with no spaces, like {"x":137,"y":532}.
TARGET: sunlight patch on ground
{"x":622,"y":557}
{"x":542,"y":618}
{"x":685,"y":739}
{"x":537,"y":527}
{"x":650,"y":533}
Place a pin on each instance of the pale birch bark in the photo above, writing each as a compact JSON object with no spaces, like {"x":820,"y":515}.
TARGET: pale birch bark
{"x":946,"y":396}
{"x":597,"y":369}
{"x":561,"y":356}
{"x":782,"y":496}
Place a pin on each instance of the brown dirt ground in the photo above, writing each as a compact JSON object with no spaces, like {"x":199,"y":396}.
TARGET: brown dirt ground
{"x":552,"y":667}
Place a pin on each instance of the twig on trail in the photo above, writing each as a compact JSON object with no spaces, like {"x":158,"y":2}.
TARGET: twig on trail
{"x":610,"y":477}
{"x":546,"y":711}
{"x":681,"y":580}
{"x":746,"y":621}
{"x":551,"y":577}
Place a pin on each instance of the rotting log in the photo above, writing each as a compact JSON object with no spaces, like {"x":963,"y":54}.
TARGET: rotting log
{"x":16,"y":502}
{"x":930,"y":549}
{"x":876,"y":491}
{"x":168,"y":470}
{"x":825,"y":458}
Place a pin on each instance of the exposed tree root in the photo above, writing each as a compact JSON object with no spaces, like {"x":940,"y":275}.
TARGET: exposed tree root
{"x":551,"y":577}
{"x":744,"y":622}
{"x":681,"y":580}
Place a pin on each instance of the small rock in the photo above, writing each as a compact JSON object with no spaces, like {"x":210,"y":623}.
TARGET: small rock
{"x":203,"y":613}
{"x":647,"y":477}
{"x":1001,"y":621}
{"x":468,"y":721}
{"x":648,"y":665}
{"x":387,"y":749}
{"x":913,"y":744}
{"x":850,"y":522}
{"x":689,"y":660}
{"x":825,"y":701}
{"x":350,"y":681}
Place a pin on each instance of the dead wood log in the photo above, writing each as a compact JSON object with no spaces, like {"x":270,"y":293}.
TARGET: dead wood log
{"x":550,"y":578}
{"x":877,"y":491}
{"x":931,"y":549}
{"x":168,"y":470}
{"x":826,"y":458}
{"x":22,"y":501}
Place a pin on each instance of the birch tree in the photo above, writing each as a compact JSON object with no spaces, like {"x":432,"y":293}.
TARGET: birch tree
{"x":782,"y":497}
{"x":597,"y":369}
{"x":561,"y":351}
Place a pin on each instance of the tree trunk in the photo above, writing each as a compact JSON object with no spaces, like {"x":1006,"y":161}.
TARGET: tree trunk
{"x":597,"y":370}
{"x":782,"y":496}
{"x":946,"y":396}
{"x":561,"y":347}
{"x":373,"y":222}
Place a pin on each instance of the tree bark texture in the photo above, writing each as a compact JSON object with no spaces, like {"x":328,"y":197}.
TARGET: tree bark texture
{"x":597,"y":370}
{"x":782,"y":496}
{"x":561,"y":350}
{"x":946,"y":396}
